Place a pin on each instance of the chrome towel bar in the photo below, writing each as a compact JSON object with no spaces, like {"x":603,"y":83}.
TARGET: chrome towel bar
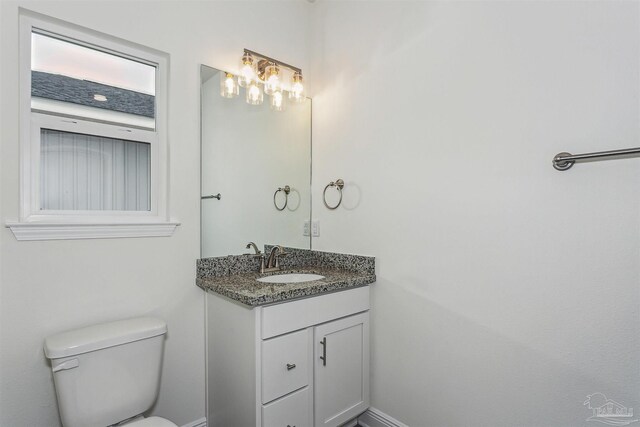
{"x":212,"y":196}
{"x":564,"y":161}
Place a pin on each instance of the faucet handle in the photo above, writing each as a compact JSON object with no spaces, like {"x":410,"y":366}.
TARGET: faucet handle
{"x":279,"y":254}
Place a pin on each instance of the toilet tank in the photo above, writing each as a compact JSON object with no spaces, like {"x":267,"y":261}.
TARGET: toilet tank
{"x":106,"y":373}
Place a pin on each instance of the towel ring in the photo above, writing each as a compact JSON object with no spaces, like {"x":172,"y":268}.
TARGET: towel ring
{"x":339,"y":184}
{"x":286,"y":190}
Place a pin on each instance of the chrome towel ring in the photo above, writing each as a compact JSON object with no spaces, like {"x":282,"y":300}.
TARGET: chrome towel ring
{"x":286,"y":190}
{"x":339,"y":184}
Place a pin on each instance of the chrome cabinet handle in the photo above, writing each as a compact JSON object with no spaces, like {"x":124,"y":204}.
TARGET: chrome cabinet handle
{"x":290,"y":366}
{"x":290,"y":425}
{"x":323,"y":343}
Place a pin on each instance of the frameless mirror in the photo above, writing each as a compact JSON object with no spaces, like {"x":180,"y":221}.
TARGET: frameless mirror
{"x":255,"y":171}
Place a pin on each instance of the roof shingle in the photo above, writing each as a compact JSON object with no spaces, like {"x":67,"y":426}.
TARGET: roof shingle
{"x":76,"y":91}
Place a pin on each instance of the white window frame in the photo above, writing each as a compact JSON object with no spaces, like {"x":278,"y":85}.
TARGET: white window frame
{"x":36,"y":224}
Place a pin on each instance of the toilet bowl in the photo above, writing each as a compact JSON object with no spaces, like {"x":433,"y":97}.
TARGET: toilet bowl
{"x":107,"y":373}
{"x":150,"y":422}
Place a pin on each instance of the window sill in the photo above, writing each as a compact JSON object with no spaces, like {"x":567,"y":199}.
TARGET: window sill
{"x":70,"y":231}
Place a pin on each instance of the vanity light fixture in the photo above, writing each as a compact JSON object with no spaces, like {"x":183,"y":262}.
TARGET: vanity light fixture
{"x":228,"y":85}
{"x":271,"y":79}
{"x":277,"y":100}
{"x":260,"y":74}
{"x":247,"y":72}
{"x":255,"y":96}
{"x":296,"y":94}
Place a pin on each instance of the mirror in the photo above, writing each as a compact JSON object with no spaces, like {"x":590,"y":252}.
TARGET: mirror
{"x":252,"y":157}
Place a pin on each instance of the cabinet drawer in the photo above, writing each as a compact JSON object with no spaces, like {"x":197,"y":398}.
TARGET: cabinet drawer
{"x":285,"y":364}
{"x":281,"y":318}
{"x":290,"y":411}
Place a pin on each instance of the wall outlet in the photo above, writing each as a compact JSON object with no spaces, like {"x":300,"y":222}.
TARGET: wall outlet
{"x":315,"y":228}
{"x":306,"y":228}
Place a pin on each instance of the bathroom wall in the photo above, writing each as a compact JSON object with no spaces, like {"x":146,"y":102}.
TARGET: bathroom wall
{"x":507,"y":291}
{"x":48,"y":287}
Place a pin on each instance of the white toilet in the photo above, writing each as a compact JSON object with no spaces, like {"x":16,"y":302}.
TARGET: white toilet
{"x":109,"y":373}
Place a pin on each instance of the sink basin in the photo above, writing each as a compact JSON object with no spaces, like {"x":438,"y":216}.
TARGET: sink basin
{"x":290,"y":278}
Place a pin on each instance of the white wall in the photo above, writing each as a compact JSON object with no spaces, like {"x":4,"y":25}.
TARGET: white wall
{"x":48,"y":287}
{"x":507,"y":291}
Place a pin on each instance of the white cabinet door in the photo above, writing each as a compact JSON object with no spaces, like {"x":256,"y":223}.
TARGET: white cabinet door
{"x":341,"y":369}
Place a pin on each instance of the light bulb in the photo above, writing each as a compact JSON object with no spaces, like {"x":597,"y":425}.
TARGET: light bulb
{"x":254,"y":94}
{"x":228,"y":86}
{"x":247,"y":73}
{"x":277,"y":101}
{"x":271,"y":79}
{"x":296,"y":94}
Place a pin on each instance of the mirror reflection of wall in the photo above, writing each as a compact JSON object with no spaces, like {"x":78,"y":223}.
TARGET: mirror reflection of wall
{"x":248,"y":152}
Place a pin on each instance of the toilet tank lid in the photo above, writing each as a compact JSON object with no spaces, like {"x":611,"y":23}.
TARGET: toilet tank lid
{"x":96,"y":337}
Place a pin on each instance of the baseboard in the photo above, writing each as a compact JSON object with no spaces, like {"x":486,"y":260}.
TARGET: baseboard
{"x":352,"y":423}
{"x":202,"y":422}
{"x":371,"y":418}
{"x":376,"y":418}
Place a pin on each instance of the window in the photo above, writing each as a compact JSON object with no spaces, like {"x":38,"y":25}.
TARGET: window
{"x":93,"y":135}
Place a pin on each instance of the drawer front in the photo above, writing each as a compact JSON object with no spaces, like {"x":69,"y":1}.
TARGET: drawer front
{"x":285,"y":364}
{"x":290,"y":411}
{"x":279,"y":319}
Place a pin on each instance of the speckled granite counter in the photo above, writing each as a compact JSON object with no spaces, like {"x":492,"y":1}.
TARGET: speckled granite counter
{"x":235,"y":276}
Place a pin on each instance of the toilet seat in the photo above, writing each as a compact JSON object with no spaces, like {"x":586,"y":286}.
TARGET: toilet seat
{"x":151,"y":422}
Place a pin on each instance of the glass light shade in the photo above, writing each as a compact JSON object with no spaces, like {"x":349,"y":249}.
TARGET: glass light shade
{"x":255,"y":96}
{"x":296,"y":94}
{"x":272,"y":79}
{"x":228,"y":85}
{"x":277,"y":100}
{"x":247,"y":73}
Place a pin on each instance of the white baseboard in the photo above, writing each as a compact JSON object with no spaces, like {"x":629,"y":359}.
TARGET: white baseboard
{"x":352,"y":423}
{"x":202,"y":422}
{"x":376,"y":418}
{"x":371,"y":418}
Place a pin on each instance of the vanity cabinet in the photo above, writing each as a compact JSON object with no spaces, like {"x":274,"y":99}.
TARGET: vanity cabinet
{"x":302,"y":363}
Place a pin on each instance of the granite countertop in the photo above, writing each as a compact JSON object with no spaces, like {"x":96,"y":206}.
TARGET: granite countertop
{"x":235,"y":276}
{"x":245,"y":289}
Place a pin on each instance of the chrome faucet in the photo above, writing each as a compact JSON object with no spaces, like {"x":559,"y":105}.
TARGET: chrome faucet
{"x":272,"y":261}
{"x":255,"y":248}
{"x":257,"y":254}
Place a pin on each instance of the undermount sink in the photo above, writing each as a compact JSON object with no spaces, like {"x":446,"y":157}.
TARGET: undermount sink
{"x":290,"y":278}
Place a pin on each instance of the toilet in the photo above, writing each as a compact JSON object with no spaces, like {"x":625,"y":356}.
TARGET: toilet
{"x":109,"y":373}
